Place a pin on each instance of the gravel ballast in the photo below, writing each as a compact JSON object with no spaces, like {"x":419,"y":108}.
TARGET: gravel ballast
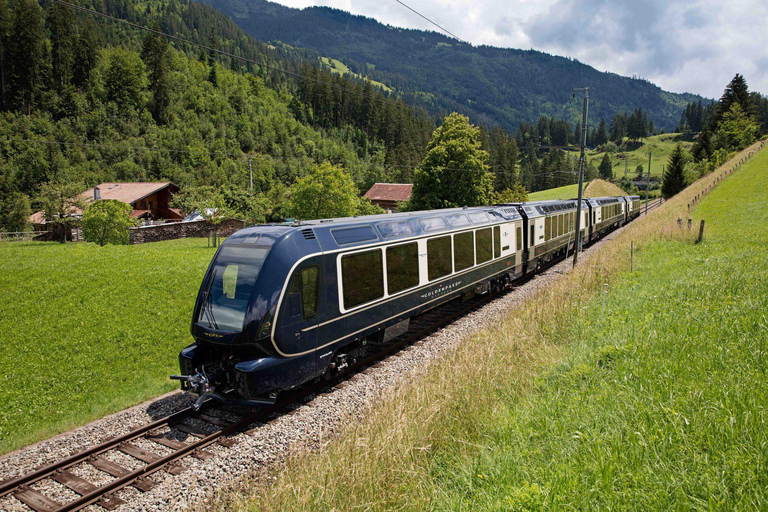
{"x":306,"y":427}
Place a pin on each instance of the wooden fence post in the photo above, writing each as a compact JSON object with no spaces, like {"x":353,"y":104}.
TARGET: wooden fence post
{"x":701,"y":232}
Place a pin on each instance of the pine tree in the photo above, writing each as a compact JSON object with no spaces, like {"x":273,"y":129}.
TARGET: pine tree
{"x":454,"y":171}
{"x":86,"y":54}
{"x":26,"y":51}
{"x":5,"y":34}
{"x":674,"y":174}
{"x":601,"y":137}
{"x":61,"y":22}
{"x":735,"y":92}
{"x":154,"y":54}
{"x":606,"y":169}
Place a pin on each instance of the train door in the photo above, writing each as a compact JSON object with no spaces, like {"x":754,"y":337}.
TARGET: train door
{"x":301,"y":307}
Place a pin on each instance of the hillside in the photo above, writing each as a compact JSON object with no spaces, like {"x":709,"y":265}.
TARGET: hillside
{"x":494,"y":86}
{"x":595,"y":188}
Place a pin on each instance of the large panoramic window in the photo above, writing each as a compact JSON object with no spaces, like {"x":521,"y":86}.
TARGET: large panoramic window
{"x":483,"y":245}
{"x":463,"y":250}
{"x":438,"y":257}
{"x":362,"y":277}
{"x":402,"y":267}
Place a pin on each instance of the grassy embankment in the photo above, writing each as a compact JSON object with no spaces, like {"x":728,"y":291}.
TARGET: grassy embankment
{"x":90,"y":330}
{"x":595,"y":188}
{"x":657,"y":402}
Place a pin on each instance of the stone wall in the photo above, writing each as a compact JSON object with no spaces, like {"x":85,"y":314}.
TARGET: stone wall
{"x":174,"y":230}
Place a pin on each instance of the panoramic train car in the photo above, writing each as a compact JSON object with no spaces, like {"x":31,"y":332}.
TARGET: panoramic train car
{"x":607,"y":213}
{"x":633,"y":207}
{"x":283,"y":304}
{"x":550,"y":229}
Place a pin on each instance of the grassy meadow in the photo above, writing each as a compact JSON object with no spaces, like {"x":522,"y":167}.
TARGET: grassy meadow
{"x":595,"y":188}
{"x":610,"y":389}
{"x":659,"y":146}
{"x":89,"y":330}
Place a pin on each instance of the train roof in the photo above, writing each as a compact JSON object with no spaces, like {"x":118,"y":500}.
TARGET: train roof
{"x":600,"y":201}
{"x":346,"y":232}
{"x":540,"y":208}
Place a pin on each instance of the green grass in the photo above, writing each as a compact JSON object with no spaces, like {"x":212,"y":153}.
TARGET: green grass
{"x":659,"y":146}
{"x":595,"y":188}
{"x":566,"y":192}
{"x":89,"y":330}
{"x":656,"y":402}
{"x":338,"y":67}
{"x":662,"y":402}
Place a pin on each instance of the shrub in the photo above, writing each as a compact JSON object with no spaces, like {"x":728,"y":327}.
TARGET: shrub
{"x":107,"y":222}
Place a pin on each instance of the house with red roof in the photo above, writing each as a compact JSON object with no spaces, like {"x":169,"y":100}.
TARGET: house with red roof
{"x":389,"y":195}
{"x":149,"y":200}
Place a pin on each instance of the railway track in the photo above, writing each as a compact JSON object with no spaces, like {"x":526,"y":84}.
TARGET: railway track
{"x":188,"y":433}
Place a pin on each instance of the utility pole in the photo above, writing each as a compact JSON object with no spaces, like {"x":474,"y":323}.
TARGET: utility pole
{"x":648,"y":184}
{"x":577,"y":246}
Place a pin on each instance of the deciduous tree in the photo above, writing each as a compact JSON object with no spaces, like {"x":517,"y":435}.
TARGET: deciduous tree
{"x":106,"y":222}
{"x":454,"y":172}
{"x":326,"y":192}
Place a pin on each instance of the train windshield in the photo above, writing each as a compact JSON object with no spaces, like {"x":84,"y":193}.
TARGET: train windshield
{"x":226,"y":294}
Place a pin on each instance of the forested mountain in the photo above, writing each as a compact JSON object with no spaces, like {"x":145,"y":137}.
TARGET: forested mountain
{"x":490,"y":85}
{"x":85,"y":100}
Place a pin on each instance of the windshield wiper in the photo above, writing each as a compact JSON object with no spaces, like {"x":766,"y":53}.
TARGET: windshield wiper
{"x":208,"y":304}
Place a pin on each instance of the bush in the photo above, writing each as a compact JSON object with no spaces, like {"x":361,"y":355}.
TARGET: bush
{"x":107,"y":222}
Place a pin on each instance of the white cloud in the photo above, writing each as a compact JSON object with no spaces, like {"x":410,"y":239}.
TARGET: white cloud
{"x":683,"y":46}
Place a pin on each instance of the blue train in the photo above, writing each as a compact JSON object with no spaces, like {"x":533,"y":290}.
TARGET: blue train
{"x":283,"y":304}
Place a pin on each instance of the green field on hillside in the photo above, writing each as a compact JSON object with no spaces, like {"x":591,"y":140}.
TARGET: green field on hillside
{"x":608,"y":390}
{"x":662,"y":402}
{"x":659,"y":146}
{"x":90,"y":330}
{"x":595,"y":188}
{"x":339,"y":68}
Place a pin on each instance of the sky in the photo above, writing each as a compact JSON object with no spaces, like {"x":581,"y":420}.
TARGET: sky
{"x":682,"y":46}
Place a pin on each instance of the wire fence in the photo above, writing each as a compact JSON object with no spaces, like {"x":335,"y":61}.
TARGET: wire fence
{"x":19,"y":236}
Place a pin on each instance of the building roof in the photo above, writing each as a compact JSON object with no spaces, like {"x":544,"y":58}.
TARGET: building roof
{"x":390,"y":192}
{"x":127,"y":192}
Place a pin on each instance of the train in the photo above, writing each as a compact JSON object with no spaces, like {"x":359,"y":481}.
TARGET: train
{"x":286,"y":303}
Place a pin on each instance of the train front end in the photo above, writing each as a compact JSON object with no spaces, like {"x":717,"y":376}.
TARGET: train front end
{"x":232,"y":359}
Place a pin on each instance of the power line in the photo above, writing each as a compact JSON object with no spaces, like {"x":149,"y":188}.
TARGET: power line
{"x":216,"y":50}
{"x":432,"y":22}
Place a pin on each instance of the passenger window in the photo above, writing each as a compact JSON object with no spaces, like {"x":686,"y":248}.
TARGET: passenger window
{"x":362,"y":277}
{"x":310,"y":290}
{"x":547,"y":228}
{"x":519,"y":238}
{"x":496,"y":241}
{"x":438,"y":257}
{"x":303,"y":292}
{"x":402,"y":267}
{"x":463,"y":251}
{"x":483,"y":245}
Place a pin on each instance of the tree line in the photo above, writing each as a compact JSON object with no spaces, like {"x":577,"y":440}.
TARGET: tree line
{"x":734,"y":122}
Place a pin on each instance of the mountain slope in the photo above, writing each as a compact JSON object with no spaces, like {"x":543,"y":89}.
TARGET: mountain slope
{"x":492,"y":85}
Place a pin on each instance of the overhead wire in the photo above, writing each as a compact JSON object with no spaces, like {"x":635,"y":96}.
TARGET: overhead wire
{"x":432,"y":22}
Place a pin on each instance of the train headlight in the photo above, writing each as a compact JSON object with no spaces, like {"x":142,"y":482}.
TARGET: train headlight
{"x":266,"y":323}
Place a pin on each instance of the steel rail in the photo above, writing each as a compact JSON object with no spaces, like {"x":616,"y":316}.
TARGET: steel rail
{"x":9,"y":486}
